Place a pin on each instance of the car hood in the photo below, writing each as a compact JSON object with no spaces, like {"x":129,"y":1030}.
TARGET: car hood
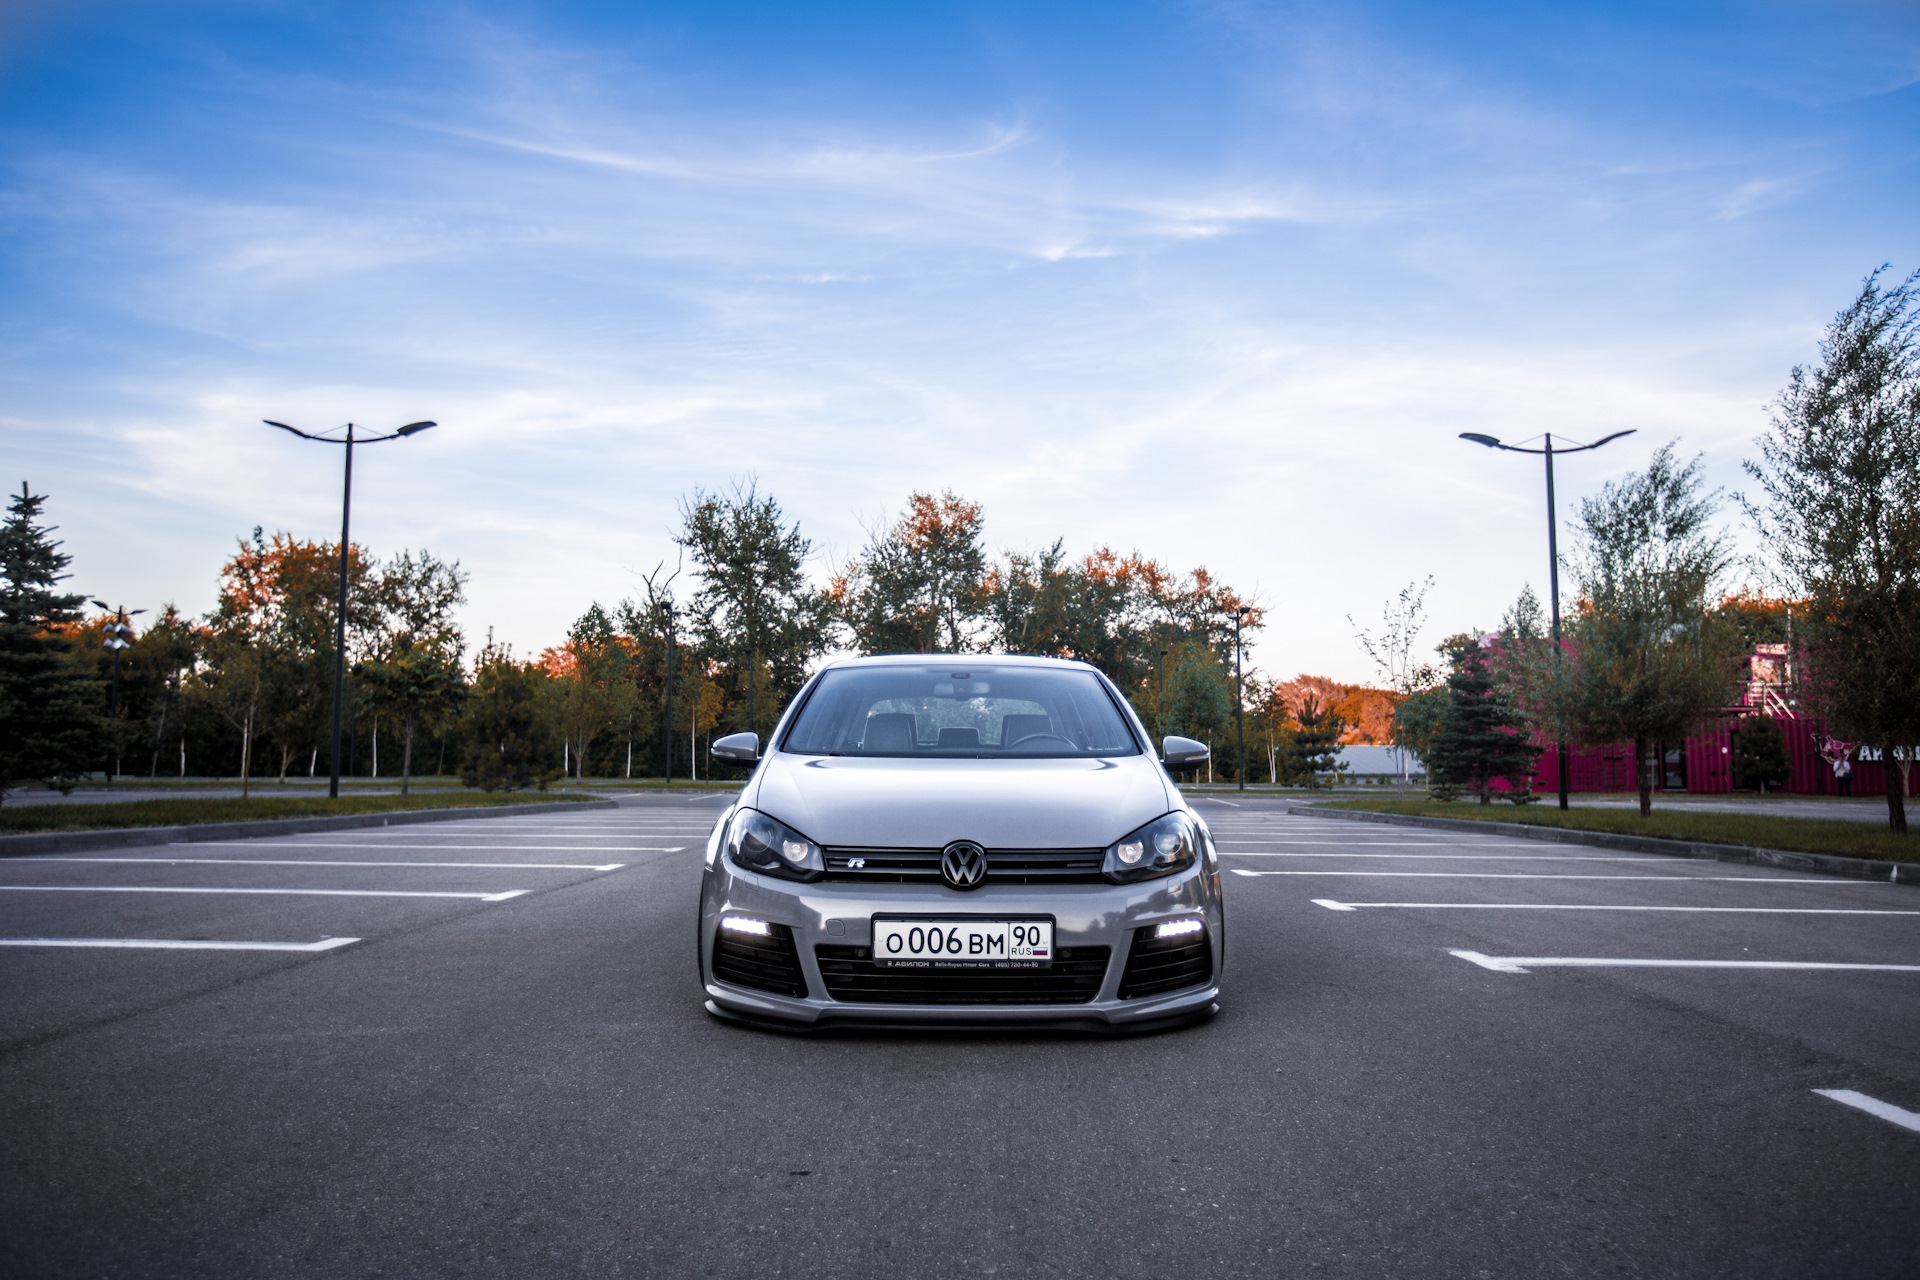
{"x":926,"y":803}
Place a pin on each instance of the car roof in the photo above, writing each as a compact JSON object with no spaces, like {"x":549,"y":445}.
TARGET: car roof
{"x":944,"y":659}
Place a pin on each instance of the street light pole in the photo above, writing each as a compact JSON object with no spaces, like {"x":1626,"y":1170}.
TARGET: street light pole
{"x":669,"y":695}
{"x":1163,"y":692}
{"x":340,"y":629}
{"x":340,"y":602}
{"x":1239,"y":698}
{"x":1553,"y":555}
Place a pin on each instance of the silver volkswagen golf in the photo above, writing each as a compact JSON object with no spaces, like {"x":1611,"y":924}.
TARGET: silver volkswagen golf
{"x":961,"y":842}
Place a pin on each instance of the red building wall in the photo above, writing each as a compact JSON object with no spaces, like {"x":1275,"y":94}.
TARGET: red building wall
{"x":1708,"y":758}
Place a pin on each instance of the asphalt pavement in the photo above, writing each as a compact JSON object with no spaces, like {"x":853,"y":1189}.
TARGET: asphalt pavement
{"x":1438,"y":1054}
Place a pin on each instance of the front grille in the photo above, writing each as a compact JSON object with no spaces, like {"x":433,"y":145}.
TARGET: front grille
{"x":765,"y":964}
{"x":1074,"y":978}
{"x":1004,"y":866}
{"x":1165,"y":964}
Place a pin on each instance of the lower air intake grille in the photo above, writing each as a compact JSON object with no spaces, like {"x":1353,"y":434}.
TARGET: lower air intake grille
{"x":765,"y":964}
{"x":1074,"y":978}
{"x":1156,"y":965}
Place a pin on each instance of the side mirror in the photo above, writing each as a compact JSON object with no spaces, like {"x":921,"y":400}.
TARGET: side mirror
{"x":736,"y":748}
{"x":1179,"y":753}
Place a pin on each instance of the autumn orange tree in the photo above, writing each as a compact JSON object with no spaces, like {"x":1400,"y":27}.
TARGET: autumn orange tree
{"x":917,"y":586}
{"x":591,"y":683}
{"x":268,"y":659}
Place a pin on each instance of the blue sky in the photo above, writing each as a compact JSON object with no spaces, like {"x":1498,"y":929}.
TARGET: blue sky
{"x":1217,"y":282}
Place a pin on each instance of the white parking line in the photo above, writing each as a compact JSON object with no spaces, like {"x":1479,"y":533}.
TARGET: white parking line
{"x":389,"y":844}
{"x":179,"y":944}
{"x":1525,"y":964}
{"x":1547,"y":875}
{"x":319,"y":893}
{"x":1468,"y":857}
{"x":1874,"y":1107}
{"x":1385,"y":844}
{"x":314,"y":862}
{"x":1332,"y":904}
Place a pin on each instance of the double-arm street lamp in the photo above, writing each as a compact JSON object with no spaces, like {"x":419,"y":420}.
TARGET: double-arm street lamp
{"x":340,"y":605}
{"x":1553,"y":551}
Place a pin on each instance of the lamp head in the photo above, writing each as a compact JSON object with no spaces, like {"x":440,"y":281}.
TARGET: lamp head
{"x":412,"y":427}
{"x":1479,"y":438}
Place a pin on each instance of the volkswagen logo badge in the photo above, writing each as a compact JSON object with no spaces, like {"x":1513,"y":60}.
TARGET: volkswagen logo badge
{"x":963,"y":864}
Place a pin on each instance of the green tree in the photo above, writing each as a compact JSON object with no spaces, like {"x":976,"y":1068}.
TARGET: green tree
{"x":919,"y":585}
{"x":512,"y":740}
{"x":157,"y":667}
{"x":51,"y":707}
{"x":1481,"y":735}
{"x":1759,"y":754}
{"x":1840,"y":471}
{"x":1391,"y":649}
{"x":754,"y":603}
{"x":1199,"y":693}
{"x":417,"y":682}
{"x":1648,"y":658}
{"x":414,"y":675}
{"x":1417,"y":718}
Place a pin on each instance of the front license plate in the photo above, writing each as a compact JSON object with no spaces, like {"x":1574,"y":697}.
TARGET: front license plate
{"x":963,"y":944}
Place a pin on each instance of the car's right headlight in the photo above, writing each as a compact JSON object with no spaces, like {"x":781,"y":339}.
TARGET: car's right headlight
{"x":771,"y":847}
{"x":1167,"y":844}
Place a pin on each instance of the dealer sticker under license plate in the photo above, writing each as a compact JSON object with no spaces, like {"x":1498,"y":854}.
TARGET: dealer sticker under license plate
{"x":950,"y":944}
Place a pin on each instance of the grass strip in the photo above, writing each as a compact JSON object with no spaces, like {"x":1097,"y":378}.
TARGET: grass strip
{"x":27,"y":818}
{"x":1836,"y":836}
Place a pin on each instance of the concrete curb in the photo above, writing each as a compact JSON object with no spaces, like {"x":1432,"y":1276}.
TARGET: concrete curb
{"x":1820,"y":863}
{"x":65,"y":841}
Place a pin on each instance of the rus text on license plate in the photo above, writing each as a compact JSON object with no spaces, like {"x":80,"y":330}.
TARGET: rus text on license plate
{"x":947,"y":944}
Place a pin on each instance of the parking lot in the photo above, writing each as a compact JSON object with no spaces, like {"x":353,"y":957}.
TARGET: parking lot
{"x":477,"y":1048}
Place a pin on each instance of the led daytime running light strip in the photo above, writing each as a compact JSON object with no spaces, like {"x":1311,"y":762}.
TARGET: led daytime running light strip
{"x":746,"y":924}
{"x":1179,"y":928}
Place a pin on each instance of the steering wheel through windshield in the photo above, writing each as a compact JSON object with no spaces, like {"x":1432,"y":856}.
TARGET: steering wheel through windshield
{"x":1044,"y":737}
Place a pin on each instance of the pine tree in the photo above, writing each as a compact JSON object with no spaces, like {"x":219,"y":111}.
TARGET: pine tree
{"x":1480,"y":736}
{"x":55,"y":731}
{"x":1311,"y":746}
{"x":1759,"y":754}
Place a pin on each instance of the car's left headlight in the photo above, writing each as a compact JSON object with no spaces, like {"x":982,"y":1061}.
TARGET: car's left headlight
{"x":1162,"y":847}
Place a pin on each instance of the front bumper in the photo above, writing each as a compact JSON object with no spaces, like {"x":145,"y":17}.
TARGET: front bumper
{"x":839,"y":915}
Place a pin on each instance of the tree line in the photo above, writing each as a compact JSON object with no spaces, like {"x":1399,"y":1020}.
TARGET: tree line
{"x":717,"y":645}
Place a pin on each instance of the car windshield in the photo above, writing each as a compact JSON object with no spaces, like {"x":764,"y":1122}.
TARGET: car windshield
{"x":960,"y":710}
